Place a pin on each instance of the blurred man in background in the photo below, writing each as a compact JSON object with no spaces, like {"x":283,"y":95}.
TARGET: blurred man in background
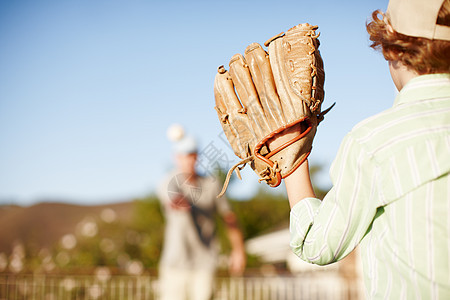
{"x":189,"y":256}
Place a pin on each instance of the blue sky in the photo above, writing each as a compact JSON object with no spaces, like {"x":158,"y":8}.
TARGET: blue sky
{"x":88,"y":88}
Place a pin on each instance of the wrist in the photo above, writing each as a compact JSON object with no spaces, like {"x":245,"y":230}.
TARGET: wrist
{"x":298,"y":185}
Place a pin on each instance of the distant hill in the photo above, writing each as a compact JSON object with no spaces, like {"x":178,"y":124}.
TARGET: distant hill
{"x":43,"y":224}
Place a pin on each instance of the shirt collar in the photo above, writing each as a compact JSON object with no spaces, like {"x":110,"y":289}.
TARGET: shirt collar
{"x":430,"y":86}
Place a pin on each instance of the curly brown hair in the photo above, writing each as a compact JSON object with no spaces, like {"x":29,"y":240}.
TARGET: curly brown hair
{"x":422,"y":55}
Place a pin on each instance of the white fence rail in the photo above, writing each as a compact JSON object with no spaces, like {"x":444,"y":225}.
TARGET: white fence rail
{"x":51,"y":287}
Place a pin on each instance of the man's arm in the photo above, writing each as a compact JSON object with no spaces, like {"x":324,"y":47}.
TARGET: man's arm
{"x":237,"y":256}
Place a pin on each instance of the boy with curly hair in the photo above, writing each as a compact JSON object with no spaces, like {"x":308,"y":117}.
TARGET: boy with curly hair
{"x":391,"y":177}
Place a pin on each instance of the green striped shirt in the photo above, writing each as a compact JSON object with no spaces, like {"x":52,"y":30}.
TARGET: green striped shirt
{"x":391,"y":195}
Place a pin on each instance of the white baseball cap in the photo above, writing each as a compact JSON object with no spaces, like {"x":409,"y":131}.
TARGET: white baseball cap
{"x":186,"y":145}
{"x":417,"y":18}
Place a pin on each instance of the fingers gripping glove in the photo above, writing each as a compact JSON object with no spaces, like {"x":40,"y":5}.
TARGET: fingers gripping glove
{"x":264,"y":94}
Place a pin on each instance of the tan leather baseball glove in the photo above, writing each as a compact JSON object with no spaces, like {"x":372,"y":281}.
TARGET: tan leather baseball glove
{"x":265,"y":94}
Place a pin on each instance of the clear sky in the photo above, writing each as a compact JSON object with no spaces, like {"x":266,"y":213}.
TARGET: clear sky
{"x":88,"y":88}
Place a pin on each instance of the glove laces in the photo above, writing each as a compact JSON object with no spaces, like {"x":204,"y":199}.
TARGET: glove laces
{"x":236,"y":167}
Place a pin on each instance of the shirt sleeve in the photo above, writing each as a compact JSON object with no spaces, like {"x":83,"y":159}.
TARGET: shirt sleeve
{"x":323,"y":232}
{"x":162,"y":192}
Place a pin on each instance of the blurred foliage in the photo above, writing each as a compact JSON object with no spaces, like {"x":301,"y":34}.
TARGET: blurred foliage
{"x":129,"y":246}
{"x":148,"y":219}
{"x":262,"y":213}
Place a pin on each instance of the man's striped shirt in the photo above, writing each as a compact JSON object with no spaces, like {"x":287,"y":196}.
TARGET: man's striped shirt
{"x":391,"y":195}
